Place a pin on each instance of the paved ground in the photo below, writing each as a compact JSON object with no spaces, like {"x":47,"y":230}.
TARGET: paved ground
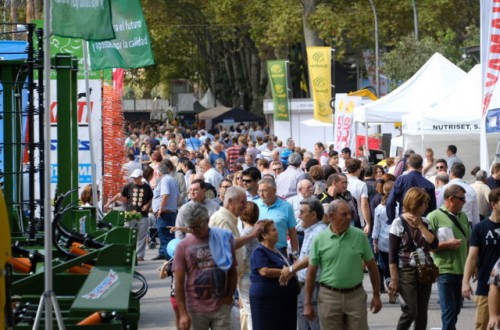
{"x":156,"y":312}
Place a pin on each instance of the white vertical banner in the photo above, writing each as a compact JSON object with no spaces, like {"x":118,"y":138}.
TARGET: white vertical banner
{"x":490,"y":65}
{"x":344,"y":125}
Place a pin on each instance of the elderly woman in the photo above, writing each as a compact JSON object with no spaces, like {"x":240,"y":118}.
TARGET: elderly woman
{"x":273,"y":303}
{"x":410,"y":235}
{"x":220,"y":166}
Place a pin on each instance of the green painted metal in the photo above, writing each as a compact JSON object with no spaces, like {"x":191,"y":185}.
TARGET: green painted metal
{"x":9,"y":72}
{"x":66,"y":67}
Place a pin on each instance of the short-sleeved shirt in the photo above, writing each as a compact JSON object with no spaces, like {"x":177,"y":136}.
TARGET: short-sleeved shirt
{"x":261,"y":286}
{"x":205,"y":283}
{"x":309,"y":234}
{"x":450,"y":261}
{"x":359,"y":190}
{"x":137,"y":196}
{"x":281,"y":212}
{"x":166,"y":186}
{"x":340,"y":256}
{"x":486,"y":236}
{"x":401,"y":254}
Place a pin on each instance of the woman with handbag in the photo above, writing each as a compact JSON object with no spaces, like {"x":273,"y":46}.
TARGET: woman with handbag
{"x":273,"y":304}
{"x":411,"y":266}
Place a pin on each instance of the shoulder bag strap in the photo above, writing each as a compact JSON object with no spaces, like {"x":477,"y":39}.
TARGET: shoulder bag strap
{"x":408,"y":231}
{"x":455,"y":221}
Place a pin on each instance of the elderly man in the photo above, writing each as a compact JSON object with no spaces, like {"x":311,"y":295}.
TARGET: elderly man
{"x":216,"y":153}
{"x":226,"y":217}
{"x":304,"y":190}
{"x":139,"y":196}
{"x":286,"y":182}
{"x":482,"y":191}
{"x":452,"y":228}
{"x":470,"y":208}
{"x":311,"y":214}
{"x":281,"y":212}
{"x":205,"y":273}
{"x":290,"y":148}
{"x":339,"y":251}
{"x":197,"y":194}
{"x":210,"y":174}
{"x":165,"y":197}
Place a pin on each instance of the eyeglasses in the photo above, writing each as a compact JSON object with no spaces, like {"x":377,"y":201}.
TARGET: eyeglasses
{"x":247,"y":181}
{"x":460,"y":198}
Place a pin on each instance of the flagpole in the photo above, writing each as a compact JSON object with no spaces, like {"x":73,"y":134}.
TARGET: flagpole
{"x":289,"y":101}
{"x":485,"y":16}
{"x":95,"y":201}
{"x":48,"y":281}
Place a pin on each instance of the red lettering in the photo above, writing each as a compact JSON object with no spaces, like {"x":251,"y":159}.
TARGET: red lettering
{"x":495,"y":43}
{"x":491,"y":79}
{"x":486,"y":102}
{"x":53,"y":113}
{"x":495,"y":23}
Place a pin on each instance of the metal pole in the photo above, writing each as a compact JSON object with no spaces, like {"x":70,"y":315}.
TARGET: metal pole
{"x":377,"y":60}
{"x":47,"y":207}
{"x":415,"y":18}
{"x":95,"y":201}
{"x":290,"y":115}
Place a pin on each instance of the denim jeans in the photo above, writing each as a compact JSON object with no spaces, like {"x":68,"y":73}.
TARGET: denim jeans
{"x":450,"y":298}
{"x":162,"y":222}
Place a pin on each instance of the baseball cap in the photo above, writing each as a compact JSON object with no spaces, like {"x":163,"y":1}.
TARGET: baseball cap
{"x":136,"y":173}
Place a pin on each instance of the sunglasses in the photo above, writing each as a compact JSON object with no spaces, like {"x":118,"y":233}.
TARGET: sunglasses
{"x":247,"y":181}
{"x":239,"y":178}
{"x":460,"y":198}
{"x":439,"y":167}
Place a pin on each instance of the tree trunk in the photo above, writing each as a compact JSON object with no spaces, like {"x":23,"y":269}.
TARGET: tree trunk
{"x":311,"y":37}
{"x":30,"y":11}
{"x":13,"y":19}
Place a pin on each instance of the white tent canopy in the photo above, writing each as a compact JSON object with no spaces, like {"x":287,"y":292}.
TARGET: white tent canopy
{"x":437,"y":77}
{"x":455,"y":119}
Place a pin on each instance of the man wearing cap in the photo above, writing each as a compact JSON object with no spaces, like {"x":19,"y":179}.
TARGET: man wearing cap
{"x":286,"y":182}
{"x":138,"y":196}
{"x":165,"y":198}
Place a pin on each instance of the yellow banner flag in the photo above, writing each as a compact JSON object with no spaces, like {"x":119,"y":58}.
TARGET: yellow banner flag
{"x":319,"y":63}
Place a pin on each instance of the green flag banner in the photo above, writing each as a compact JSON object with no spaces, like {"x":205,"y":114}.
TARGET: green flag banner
{"x":86,"y":19}
{"x":277,"y":77}
{"x":132,"y":46}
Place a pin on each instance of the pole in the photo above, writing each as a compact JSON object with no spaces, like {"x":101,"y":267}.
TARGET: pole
{"x":377,"y":60}
{"x":289,"y":101}
{"x":415,"y":18}
{"x":95,"y":201}
{"x":47,"y":206}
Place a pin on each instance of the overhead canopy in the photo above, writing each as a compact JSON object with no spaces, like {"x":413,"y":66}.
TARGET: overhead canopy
{"x":212,"y":113}
{"x":459,"y":112}
{"x":437,"y":77}
{"x":236,"y":115}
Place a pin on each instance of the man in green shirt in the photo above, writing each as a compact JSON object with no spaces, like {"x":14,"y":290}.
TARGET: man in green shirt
{"x":452,"y":228}
{"x":339,"y":250}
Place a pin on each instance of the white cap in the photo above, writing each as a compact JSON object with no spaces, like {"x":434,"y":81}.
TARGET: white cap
{"x":136,"y":173}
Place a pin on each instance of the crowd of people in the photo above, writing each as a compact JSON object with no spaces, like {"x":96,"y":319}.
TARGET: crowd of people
{"x":292,"y":232}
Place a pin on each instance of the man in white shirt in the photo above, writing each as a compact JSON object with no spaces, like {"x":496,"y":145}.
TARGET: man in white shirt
{"x":210,"y":174}
{"x":470,"y":208}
